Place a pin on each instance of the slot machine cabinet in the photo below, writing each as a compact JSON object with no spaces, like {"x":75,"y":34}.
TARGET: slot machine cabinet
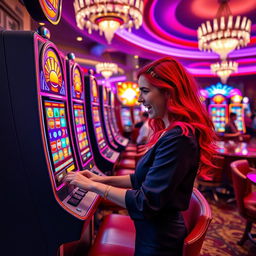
{"x":237,"y":107}
{"x":75,"y":78}
{"x":122,"y":141}
{"x":106,"y":157}
{"x":38,"y":148}
{"x":218,"y":110}
{"x":105,"y":110}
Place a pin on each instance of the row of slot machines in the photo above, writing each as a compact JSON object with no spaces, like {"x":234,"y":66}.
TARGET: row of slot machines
{"x":54,"y":120}
{"x":220,"y":116}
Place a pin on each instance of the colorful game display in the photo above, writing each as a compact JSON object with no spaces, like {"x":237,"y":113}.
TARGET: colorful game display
{"x":136,"y":114}
{"x":106,"y":110}
{"x":81,"y":133}
{"x":98,"y":128}
{"x":218,"y":111}
{"x":126,"y":118}
{"x":58,"y":137}
{"x":237,"y":107}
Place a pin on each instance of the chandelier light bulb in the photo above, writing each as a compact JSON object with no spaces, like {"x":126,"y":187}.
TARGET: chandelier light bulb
{"x":225,"y":33}
{"x":108,"y":16}
{"x":106,"y":69}
{"x":224,"y":69}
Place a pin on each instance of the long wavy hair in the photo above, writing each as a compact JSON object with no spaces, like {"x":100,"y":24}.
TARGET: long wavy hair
{"x":184,"y":106}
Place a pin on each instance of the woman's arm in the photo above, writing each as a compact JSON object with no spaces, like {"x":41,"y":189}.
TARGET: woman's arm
{"x":123,"y":181}
{"x":116,"y":195}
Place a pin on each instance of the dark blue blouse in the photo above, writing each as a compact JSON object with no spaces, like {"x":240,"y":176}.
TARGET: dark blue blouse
{"x":161,"y":187}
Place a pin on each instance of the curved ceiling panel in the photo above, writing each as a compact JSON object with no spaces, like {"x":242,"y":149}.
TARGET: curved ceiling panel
{"x":170,"y":28}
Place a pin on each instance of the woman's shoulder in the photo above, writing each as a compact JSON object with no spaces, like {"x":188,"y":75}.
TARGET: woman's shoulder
{"x":176,"y":133}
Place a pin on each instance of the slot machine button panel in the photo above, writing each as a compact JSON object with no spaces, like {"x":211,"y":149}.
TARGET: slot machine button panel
{"x":73,"y":201}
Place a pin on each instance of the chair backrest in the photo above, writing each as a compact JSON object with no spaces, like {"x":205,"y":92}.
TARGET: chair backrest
{"x":197,"y":219}
{"x":241,"y":185}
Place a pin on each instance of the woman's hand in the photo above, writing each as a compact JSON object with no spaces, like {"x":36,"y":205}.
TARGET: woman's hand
{"x":92,"y":176}
{"x":80,"y":180}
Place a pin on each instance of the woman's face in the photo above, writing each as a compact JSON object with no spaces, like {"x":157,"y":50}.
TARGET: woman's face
{"x":152,"y":98}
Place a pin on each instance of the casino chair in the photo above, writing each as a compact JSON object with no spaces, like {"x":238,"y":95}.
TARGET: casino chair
{"x":212,"y":178}
{"x":245,"y":198}
{"x":116,"y":235}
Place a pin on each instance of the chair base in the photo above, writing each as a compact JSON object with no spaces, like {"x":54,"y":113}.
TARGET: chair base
{"x":247,"y":234}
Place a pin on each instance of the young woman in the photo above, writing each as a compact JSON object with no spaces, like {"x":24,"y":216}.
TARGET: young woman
{"x":162,"y":184}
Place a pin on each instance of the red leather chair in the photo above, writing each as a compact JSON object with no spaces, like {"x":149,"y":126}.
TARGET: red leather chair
{"x":212,"y":178}
{"x":245,"y":198}
{"x":116,"y":235}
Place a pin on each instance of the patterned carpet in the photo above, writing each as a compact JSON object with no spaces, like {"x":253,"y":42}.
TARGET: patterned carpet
{"x":225,"y":231}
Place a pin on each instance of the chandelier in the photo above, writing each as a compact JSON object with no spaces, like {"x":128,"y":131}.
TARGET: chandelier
{"x":225,"y":34}
{"x":108,"y":15}
{"x":106,"y":69}
{"x":224,"y":69}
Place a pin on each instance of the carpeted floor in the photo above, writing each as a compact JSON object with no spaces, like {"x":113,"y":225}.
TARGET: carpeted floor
{"x":224,"y":231}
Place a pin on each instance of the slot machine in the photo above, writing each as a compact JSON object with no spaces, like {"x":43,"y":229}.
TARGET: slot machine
{"x":218,"y":110}
{"x":126,"y":119}
{"x":75,"y":78}
{"x":122,"y":141}
{"x":39,"y":214}
{"x":105,"y":110}
{"x":136,"y":114}
{"x":106,"y":157}
{"x":237,"y":107}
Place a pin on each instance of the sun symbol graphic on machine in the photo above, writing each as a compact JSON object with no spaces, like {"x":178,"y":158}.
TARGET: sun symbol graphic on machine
{"x":52,"y":71}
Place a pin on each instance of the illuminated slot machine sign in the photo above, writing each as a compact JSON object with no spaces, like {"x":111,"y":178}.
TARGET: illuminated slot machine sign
{"x":128,"y":94}
{"x":45,"y":10}
{"x":53,"y":93}
{"x":217,"y":95}
{"x":237,"y":107}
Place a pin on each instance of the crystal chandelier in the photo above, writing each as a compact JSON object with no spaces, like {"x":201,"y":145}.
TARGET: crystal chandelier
{"x":106,"y":69}
{"x":225,"y":34}
{"x":224,"y":69}
{"x":108,"y":15}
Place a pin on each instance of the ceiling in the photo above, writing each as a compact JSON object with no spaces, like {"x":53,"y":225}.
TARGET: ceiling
{"x":169,"y":29}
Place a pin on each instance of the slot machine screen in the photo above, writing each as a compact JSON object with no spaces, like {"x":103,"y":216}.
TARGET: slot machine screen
{"x":107,"y":124}
{"x":126,"y":117}
{"x":218,"y":114}
{"x":239,"y":110}
{"x":98,"y":129}
{"x":136,"y":114}
{"x":81,"y":132}
{"x":58,"y":138}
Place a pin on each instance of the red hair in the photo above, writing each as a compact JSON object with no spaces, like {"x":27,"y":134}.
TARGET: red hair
{"x":184,"y":106}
